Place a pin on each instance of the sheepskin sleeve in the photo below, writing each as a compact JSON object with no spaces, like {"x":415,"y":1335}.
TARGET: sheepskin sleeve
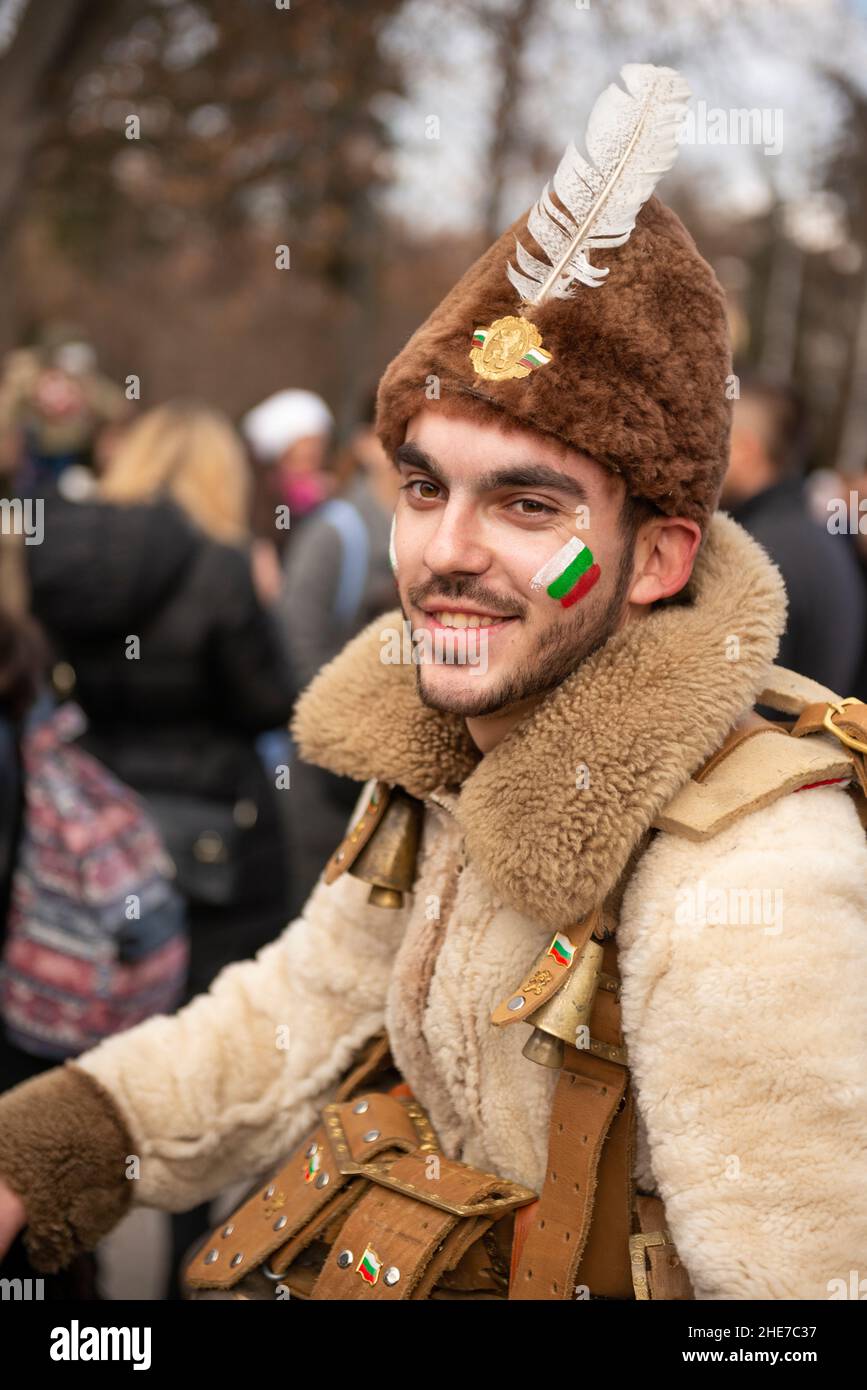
{"x":63,"y":1149}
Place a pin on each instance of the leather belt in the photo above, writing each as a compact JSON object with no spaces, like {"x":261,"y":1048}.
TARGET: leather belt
{"x":370,"y":1183}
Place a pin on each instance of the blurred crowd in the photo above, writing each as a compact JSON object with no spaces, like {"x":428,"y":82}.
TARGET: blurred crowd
{"x":189,"y":575}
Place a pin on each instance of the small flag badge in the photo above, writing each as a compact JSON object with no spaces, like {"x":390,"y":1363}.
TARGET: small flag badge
{"x":509,"y":347}
{"x":561,"y":949}
{"x":369,"y":1266}
{"x":313,"y":1164}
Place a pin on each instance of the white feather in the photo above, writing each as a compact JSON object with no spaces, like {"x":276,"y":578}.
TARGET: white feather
{"x":632,"y":141}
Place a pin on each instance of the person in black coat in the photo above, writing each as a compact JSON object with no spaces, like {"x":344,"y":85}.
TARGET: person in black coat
{"x":160,"y":637}
{"x":764,"y":491}
{"x":149,"y":599}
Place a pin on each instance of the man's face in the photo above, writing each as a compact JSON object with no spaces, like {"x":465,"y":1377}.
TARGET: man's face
{"x":480,"y":512}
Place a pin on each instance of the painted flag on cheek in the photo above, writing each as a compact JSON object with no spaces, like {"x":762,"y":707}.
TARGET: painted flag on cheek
{"x":568,"y":575}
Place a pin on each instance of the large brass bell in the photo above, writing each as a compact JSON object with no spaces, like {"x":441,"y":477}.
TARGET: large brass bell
{"x":558,"y":1020}
{"x":387,"y":861}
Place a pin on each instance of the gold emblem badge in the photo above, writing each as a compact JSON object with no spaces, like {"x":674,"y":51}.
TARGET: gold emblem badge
{"x":510,"y":347}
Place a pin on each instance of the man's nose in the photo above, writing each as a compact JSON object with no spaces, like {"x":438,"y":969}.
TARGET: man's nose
{"x":457,"y":544}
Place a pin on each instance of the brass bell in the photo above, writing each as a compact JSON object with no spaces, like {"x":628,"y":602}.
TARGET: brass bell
{"x":559,"y":1018}
{"x":387,"y":861}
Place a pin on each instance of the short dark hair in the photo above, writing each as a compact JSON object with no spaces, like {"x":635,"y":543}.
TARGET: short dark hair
{"x":633,"y":514}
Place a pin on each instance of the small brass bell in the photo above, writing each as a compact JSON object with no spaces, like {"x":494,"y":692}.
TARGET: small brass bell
{"x":559,"y":1018}
{"x":387,"y":861}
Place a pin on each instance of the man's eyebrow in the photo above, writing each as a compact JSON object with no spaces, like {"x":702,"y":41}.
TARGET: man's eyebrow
{"x":410,"y":455}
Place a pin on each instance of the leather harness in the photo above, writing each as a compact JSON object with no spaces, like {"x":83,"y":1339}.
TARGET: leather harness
{"x":371,"y":1178}
{"x":367,"y":1207}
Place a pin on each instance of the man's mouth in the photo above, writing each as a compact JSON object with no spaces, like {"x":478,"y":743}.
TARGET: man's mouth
{"x":466,"y":617}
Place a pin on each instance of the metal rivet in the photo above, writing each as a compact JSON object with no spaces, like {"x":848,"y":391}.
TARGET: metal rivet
{"x":280,"y":1222}
{"x":361,"y":1107}
{"x":344,"y":1259}
{"x":517,"y":1003}
{"x":211,"y":1256}
{"x":371,"y":1134}
{"x":322,"y":1180}
{"x":269,"y":1191}
{"x":308,"y":1152}
{"x":236,"y":1259}
{"x":391,"y":1275}
{"x":227,"y":1231}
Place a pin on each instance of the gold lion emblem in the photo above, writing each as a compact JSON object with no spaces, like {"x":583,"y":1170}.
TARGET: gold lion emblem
{"x":510,"y":347}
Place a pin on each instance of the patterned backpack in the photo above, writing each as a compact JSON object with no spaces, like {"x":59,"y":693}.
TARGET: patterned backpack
{"x":95,"y":939}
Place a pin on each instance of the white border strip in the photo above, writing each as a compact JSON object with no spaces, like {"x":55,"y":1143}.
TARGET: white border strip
{"x":557,"y":563}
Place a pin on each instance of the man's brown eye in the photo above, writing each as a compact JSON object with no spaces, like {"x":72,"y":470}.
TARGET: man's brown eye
{"x":541,"y":507}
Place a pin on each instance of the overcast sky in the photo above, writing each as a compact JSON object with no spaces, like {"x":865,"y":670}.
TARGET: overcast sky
{"x":772,"y":62}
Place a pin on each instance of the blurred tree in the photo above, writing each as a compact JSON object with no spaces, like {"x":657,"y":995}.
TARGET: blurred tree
{"x":186,"y":142}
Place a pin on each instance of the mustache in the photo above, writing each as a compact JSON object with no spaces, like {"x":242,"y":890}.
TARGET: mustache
{"x":495,"y":603}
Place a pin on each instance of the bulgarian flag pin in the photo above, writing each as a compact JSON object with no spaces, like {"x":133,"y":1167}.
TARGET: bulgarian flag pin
{"x":369,"y":1265}
{"x":568,"y":575}
{"x":561,"y":949}
{"x":313,"y":1164}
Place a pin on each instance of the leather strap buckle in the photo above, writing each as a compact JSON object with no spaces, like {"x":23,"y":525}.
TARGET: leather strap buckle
{"x":838,"y":707}
{"x":507,"y":1195}
{"x":342,"y":1147}
{"x":638,"y":1260}
{"x":609,"y":1051}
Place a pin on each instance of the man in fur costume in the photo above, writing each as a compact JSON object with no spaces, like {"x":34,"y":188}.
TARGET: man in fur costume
{"x":622,"y":975}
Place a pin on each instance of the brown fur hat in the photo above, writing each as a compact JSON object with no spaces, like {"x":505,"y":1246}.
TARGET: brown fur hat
{"x":638,"y":372}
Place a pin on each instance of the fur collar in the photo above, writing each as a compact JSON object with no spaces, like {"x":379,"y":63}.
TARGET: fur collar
{"x":642,"y":714}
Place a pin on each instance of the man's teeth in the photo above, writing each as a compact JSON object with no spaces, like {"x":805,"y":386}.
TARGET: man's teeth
{"x":465,"y":620}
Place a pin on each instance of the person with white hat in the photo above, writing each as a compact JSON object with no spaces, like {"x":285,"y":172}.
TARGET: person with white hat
{"x":291,"y":431}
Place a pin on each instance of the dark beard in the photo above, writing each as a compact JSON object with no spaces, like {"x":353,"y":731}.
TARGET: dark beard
{"x":559,"y":652}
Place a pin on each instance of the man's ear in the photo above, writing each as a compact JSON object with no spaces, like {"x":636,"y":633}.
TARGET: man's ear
{"x":665,"y":551}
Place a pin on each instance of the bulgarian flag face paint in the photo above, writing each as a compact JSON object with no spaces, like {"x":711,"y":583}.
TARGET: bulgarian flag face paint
{"x":369,"y":1266}
{"x":392,"y":553}
{"x":568,"y":575}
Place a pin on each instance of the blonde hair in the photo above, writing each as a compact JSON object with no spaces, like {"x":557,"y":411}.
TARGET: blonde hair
{"x":192,"y":454}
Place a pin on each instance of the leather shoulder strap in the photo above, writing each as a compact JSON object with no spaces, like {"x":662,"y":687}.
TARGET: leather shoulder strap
{"x":758,"y":763}
{"x":790,"y":692}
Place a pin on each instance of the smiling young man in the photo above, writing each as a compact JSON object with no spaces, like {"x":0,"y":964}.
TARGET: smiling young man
{"x":480,"y":514}
{"x":578,"y":1007}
